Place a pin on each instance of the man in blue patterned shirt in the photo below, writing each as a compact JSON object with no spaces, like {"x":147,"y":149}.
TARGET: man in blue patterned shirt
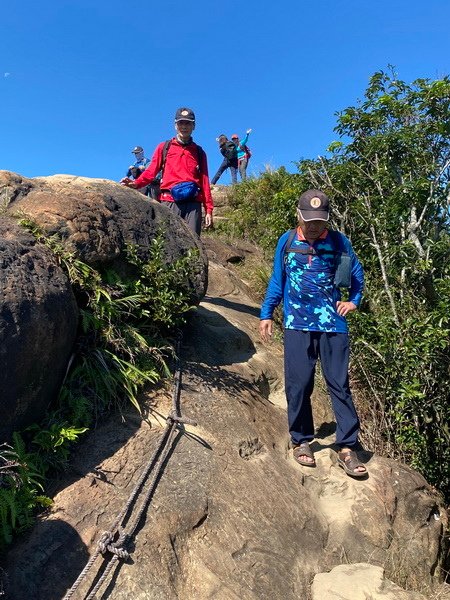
{"x":311,"y":264}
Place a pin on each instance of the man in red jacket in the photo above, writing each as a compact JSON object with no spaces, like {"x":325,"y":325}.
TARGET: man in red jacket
{"x":184,"y":174}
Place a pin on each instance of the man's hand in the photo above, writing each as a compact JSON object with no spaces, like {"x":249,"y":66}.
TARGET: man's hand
{"x":208,"y":220}
{"x":343,"y":308}
{"x":248,"y":131}
{"x":128,"y":182}
{"x":266,"y":329}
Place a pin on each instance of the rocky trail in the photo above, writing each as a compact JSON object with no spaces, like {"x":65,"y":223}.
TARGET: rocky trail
{"x":233,"y":516}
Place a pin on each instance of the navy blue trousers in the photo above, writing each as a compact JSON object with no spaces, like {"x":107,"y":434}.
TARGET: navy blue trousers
{"x":301,"y":351}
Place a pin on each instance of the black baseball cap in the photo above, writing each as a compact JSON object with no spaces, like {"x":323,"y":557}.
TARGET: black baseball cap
{"x":314,"y":205}
{"x":184,"y":114}
{"x":137,"y":149}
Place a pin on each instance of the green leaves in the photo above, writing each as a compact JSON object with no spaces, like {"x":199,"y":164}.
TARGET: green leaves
{"x":21,"y":479}
{"x":392,"y":180}
{"x":121,"y":346}
{"x":388,"y":175}
{"x":263,"y":208}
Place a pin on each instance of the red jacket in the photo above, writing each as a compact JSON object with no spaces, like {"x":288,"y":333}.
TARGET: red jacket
{"x":181,"y":165}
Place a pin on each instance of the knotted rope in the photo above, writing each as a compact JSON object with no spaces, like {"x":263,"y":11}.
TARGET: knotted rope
{"x":106,"y":543}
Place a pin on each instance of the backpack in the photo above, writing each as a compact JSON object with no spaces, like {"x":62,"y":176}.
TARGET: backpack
{"x":246,"y":149}
{"x":200,"y":154}
{"x":156,"y":184}
{"x":229,"y":151}
{"x":343,"y":261}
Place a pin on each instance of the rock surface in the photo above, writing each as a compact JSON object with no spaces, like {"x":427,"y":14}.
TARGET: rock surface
{"x":96,"y":219}
{"x":358,"y":582}
{"x":221,"y":203}
{"x":233,"y":516}
{"x":38,"y":322}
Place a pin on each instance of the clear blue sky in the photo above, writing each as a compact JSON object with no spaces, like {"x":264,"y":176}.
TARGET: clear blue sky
{"x":82,"y":82}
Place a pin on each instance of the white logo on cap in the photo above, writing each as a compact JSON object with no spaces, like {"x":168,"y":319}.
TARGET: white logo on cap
{"x":184,"y":113}
{"x":315,"y":202}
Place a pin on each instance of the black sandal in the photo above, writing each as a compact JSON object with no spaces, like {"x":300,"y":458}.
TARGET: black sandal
{"x":304,"y":450}
{"x":348,"y":460}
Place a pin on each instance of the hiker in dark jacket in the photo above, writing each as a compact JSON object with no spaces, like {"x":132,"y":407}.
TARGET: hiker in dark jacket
{"x":311,"y":264}
{"x":230,"y":161}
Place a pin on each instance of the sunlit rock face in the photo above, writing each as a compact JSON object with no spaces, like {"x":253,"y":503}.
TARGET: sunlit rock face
{"x":95,"y":220}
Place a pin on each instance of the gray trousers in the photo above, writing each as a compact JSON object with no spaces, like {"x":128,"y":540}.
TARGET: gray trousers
{"x":223,"y":167}
{"x":243,"y":168}
{"x":191,"y":212}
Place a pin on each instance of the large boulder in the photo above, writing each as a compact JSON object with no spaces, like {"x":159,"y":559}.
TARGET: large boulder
{"x":38,"y":322}
{"x":96,"y":219}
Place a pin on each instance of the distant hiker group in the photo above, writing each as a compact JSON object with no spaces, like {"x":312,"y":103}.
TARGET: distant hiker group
{"x":236,"y":155}
{"x":177,"y":174}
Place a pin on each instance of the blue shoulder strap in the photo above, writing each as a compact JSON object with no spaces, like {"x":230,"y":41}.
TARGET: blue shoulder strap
{"x":337,"y":241}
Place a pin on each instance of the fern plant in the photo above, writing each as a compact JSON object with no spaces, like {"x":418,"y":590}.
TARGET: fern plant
{"x":121,"y":345}
{"x":20,"y":487}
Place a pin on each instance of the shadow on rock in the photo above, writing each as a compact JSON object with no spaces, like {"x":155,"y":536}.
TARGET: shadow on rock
{"x":35,"y":574}
{"x":245,"y":308}
{"x":211,"y":379}
{"x":325,"y":430}
{"x":95,"y":447}
{"x":201,"y":340}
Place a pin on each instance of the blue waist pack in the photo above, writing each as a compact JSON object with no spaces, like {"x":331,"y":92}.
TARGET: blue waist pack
{"x":185,"y":191}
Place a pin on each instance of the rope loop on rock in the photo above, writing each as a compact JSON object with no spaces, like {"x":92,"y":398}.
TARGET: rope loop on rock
{"x":156,"y":463}
{"x":105,"y":540}
{"x":105,"y":544}
{"x":174,"y":418}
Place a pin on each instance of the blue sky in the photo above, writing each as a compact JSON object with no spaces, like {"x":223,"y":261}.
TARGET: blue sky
{"x":82,"y":82}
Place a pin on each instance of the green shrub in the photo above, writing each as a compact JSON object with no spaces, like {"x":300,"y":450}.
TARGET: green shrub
{"x":261,"y":209}
{"x":389,"y":180}
{"x":20,"y":486}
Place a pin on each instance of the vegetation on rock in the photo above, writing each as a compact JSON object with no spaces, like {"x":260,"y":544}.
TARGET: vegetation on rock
{"x":123,"y":342}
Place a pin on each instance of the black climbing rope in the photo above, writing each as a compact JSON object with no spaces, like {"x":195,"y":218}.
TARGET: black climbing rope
{"x":116,"y":539}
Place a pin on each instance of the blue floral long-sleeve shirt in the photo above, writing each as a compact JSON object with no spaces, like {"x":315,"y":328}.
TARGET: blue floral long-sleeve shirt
{"x":305,"y":282}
